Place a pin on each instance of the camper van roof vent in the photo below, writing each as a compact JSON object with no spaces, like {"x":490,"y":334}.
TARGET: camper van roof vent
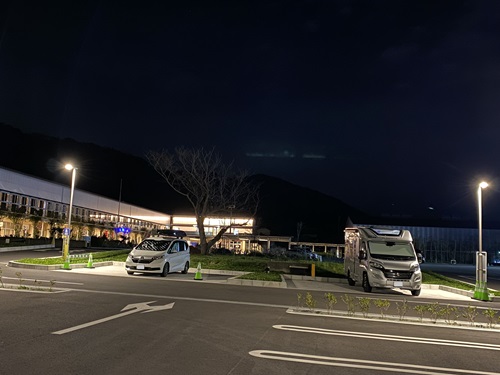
{"x":386,"y":232}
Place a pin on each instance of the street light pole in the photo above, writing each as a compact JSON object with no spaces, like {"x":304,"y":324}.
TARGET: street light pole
{"x":481,"y":291}
{"x":67,"y":235}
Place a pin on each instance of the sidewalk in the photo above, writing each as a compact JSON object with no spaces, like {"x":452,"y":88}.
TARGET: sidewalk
{"x":332,"y":285}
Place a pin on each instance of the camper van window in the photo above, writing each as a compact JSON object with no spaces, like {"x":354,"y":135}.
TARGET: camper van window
{"x":362,"y":251}
{"x":395,"y":250}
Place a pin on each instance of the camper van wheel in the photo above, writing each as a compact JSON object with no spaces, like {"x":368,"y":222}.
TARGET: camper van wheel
{"x":366,"y":284}
{"x":350,"y":281}
{"x":415,"y":292}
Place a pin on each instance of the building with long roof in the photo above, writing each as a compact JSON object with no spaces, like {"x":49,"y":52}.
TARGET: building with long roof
{"x":31,"y":207}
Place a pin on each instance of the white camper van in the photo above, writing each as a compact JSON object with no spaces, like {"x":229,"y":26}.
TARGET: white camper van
{"x":381,"y":258}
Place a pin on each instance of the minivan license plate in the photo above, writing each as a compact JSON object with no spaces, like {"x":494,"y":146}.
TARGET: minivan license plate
{"x":398,"y":283}
{"x":140,"y":266}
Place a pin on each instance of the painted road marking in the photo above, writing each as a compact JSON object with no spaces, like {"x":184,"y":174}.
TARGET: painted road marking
{"x":363,"y":364}
{"x":40,"y":280}
{"x":377,"y":336}
{"x":129,"y":309}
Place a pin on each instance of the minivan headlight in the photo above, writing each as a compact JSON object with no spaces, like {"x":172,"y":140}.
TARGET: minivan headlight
{"x":156,"y":257}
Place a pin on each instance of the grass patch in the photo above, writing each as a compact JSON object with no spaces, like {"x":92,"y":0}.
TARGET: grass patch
{"x":102,"y":256}
{"x":258,"y":264}
{"x":230,"y":262}
{"x":262,"y":276}
{"x":254,"y":265}
{"x":430,"y":277}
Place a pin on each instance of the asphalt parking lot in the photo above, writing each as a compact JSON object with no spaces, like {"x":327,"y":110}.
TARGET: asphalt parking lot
{"x":291,"y":282}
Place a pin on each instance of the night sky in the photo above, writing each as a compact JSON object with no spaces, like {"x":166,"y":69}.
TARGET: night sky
{"x":391,"y":106}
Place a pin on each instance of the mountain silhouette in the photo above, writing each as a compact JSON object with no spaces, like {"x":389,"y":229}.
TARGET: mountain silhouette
{"x":284,"y":207}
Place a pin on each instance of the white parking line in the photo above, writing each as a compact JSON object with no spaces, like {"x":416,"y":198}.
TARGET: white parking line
{"x":376,"y":336}
{"x":363,"y":364}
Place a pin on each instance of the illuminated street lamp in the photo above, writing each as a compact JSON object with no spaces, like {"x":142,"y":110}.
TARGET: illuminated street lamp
{"x":67,"y":232}
{"x":481,"y":291}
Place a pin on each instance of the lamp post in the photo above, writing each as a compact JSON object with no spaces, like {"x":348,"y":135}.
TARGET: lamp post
{"x":67,"y":233}
{"x":481,"y":291}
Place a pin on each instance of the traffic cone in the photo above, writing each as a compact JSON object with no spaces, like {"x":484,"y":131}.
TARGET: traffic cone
{"x":66,"y":264}
{"x":90,"y":263}
{"x":197,"y":275}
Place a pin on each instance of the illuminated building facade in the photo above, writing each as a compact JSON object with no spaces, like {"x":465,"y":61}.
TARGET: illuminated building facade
{"x":31,"y":207}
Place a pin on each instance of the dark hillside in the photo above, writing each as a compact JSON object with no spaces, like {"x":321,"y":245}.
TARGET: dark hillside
{"x":100,"y":169}
{"x":282,"y":204}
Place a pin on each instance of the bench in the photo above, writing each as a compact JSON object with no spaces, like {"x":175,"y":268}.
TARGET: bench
{"x":289,"y":267}
{"x":299,"y":270}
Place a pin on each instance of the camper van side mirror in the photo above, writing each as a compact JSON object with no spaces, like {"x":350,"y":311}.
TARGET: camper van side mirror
{"x":420,"y":258}
{"x":361,"y":255}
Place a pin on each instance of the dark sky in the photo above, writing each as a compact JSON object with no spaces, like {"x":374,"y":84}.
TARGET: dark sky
{"x":398,"y":101}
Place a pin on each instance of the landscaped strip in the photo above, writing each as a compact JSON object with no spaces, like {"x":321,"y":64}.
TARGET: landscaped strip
{"x":255,"y":266}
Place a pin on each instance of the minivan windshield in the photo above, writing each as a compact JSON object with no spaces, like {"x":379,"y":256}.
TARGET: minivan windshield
{"x":391,"y":250}
{"x":154,"y":245}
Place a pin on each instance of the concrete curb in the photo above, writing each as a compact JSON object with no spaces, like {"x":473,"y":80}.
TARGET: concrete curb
{"x":52,"y":267}
{"x":32,"y":247}
{"x":409,"y":320}
{"x":317,"y":278}
{"x":244,"y":282}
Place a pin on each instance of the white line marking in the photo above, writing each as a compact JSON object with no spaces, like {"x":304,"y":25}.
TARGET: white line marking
{"x":376,"y":336}
{"x":361,"y":363}
{"x":132,"y":309}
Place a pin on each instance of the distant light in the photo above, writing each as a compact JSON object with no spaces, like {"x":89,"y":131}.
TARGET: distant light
{"x":430,"y":208}
{"x":124,"y":230}
{"x":483,"y":185}
{"x":313,"y":156}
{"x":69,"y":167}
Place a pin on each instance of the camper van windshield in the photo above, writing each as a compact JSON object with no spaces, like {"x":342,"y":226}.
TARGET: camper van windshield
{"x":391,"y":250}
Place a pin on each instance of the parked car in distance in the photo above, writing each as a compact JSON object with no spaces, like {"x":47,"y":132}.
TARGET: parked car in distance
{"x":299,"y":252}
{"x":162,"y":254}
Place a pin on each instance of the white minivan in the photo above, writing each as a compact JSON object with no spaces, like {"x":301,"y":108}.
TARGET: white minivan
{"x":163,"y":253}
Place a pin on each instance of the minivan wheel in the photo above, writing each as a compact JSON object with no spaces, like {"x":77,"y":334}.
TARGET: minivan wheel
{"x":350,"y":281}
{"x":186,"y":268}
{"x":366,"y":284}
{"x":415,"y":292}
{"x":165,"y":270}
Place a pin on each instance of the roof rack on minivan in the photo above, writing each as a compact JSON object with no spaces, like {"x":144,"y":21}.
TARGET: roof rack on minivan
{"x":171,"y":232}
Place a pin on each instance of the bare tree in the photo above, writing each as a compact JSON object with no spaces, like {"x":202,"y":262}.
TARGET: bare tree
{"x":211,"y":186}
{"x":300,"y":224}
